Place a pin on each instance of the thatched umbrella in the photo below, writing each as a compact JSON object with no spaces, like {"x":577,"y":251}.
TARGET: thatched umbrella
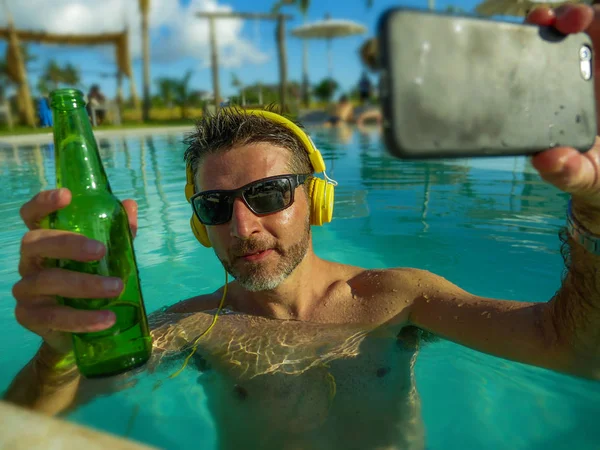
{"x":329,"y":29}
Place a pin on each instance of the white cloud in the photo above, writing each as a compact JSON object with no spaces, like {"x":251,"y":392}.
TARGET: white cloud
{"x":175,"y":30}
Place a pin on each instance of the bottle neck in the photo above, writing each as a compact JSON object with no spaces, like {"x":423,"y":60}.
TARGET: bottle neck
{"x":78,"y":164}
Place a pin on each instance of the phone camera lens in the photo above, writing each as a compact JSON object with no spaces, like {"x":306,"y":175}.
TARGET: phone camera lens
{"x":585,"y":54}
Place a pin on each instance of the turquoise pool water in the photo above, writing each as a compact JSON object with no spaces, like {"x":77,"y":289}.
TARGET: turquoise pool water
{"x":488,"y":225}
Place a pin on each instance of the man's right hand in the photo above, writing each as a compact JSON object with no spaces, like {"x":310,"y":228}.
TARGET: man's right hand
{"x":36,"y":292}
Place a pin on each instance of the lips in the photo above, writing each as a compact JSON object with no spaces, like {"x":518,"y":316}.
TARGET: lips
{"x":257,"y":255}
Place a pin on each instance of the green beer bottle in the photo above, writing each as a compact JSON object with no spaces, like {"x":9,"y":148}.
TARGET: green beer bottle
{"x":96,"y":213}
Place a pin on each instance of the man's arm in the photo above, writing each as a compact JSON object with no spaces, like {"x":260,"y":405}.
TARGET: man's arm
{"x":48,"y":383}
{"x":575,"y":309}
{"x":562,"y":334}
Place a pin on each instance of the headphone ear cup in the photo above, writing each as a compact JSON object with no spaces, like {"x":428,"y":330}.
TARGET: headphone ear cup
{"x":199,"y":231}
{"x":189,"y":191}
{"x":311,"y":200}
{"x":316,"y":201}
{"x":327,"y":211}
{"x":321,"y":194}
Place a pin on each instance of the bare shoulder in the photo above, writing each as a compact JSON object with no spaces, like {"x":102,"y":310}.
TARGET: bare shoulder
{"x":400,"y":280}
{"x":199,"y":303}
{"x":389,"y":294}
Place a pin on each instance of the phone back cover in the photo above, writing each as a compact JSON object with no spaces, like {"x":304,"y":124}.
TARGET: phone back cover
{"x":461,"y":86}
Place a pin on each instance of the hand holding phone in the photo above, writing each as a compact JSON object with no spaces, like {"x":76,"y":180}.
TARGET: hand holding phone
{"x":454,"y":86}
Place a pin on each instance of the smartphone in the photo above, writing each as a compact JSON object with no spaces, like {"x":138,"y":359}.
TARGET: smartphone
{"x":460,"y":86}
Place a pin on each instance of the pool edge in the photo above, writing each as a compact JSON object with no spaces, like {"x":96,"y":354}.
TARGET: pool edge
{"x":22,"y":429}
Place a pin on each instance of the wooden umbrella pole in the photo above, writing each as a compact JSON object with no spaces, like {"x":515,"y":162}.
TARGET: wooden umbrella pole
{"x":24,"y":95}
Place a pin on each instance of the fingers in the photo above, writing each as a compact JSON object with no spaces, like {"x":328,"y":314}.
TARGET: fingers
{"x":37,"y":308}
{"x":567,"y":19}
{"x":131,"y":207}
{"x":573,"y":18}
{"x":37,"y":245}
{"x":542,"y":16}
{"x":42,"y":205}
{"x":570,"y":170}
{"x":65,"y":283}
{"x":47,"y":202}
{"x":42,"y":320}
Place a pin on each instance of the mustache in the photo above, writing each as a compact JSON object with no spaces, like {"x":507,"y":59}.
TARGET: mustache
{"x":241,"y":248}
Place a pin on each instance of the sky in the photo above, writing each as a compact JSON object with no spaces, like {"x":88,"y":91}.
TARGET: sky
{"x":179,"y":40}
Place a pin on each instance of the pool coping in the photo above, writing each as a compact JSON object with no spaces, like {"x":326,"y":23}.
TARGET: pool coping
{"x":24,"y":429}
{"x":46,"y":138}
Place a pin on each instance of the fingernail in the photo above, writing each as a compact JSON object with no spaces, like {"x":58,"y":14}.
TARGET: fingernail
{"x":106,"y":316}
{"x":112,"y":284}
{"x":55,"y":195}
{"x":560,"y":164}
{"x":93,"y":247}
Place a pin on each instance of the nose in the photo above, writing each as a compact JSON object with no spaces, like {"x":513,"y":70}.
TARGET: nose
{"x":244,"y":223}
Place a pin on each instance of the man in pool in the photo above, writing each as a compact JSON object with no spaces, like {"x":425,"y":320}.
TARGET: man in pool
{"x":310,"y":354}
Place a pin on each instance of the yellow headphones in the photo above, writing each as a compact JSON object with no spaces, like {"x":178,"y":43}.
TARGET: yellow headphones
{"x":320,"y":191}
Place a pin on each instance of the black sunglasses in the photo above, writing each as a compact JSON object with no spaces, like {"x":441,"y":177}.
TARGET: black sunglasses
{"x":265,"y":196}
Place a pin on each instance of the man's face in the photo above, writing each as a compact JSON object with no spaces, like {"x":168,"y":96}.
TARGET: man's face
{"x":259,"y":251}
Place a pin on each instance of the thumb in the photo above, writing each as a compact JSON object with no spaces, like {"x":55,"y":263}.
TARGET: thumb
{"x":131,"y":207}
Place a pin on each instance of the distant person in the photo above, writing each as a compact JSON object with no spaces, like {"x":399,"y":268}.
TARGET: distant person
{"x":97,"y":101}
{"x":343,"y":111}
{"x":43,"y":111}
{"x":369,"y":115}
{"x":365,"y":88}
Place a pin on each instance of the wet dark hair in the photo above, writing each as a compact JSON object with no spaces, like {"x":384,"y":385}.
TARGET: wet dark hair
{"x":233,"y":127}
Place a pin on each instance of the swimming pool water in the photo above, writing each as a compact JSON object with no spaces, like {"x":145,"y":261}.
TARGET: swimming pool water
{"x":488,"y":225}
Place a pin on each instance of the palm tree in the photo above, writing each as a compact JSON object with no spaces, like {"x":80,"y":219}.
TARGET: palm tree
{"x":70,"y":75}
{"x":145,"y":10}
{"x":237,"y":83}
{"x":182,"y":93}
{"x":303,"y":6}
{"x":176,"y":91}
{"x":54,"y":75}
{"x":166,"y":88}
{"x":5,"y":80}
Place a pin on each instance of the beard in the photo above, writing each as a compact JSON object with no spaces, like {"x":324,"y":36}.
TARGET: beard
{"x":265,"y":276}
